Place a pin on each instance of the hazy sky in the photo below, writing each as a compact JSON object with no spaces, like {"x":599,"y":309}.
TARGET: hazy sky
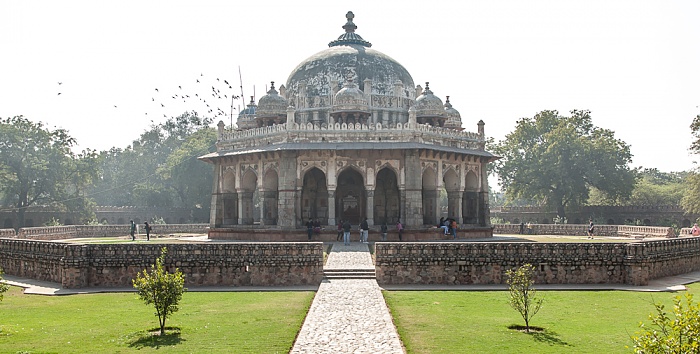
{"x":634,"y":64}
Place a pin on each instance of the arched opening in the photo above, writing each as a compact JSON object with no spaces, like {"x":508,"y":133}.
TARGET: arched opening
{"x":120,"y":221}
{"x":647,"y":222}
{"x":247,"y":197}
{"x":386,"y":197}
{"x":516,"y":221}
{"x":470,"y":205}
{"x":685,"y":223}
{"x":450,"y":204}
{"x":350,"y":196}
{"x":269,"y":198}
{"x":230,"y":199}
{"x":611,"y":222}
{"x":314,"y":196}
{"x":429,"y":195}
{"x":68,"y":222}
{"x":7,"y":224}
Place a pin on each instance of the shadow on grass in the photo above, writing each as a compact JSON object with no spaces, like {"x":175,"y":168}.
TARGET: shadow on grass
{"x":542,"y":335}
{"x":153,"y":339}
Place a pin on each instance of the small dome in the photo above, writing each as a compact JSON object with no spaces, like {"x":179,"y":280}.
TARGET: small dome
{"x":272,"y":104}
{"x":429,"y":105}
{"x":454,"y":119}
{"x":350,"y":98}
{"x":246,"y":119}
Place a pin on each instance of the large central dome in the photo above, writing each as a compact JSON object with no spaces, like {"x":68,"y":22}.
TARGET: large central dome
{"x":349,"y":57}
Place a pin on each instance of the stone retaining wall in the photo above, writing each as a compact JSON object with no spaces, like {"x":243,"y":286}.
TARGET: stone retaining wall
{"x":75,"y":231}
{"x":557,"y":263}
{"x":582,"y":229}
{"x":115,"y":265}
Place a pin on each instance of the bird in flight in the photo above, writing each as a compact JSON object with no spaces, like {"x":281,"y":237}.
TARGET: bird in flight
{"x":115,"y":106}
{"x":157,"y":89}
{"x":197,"y":80}
{"x":58,"y":94}
{"x":162,"y":105}
{"x":60,"y":83}
{"x":180,"y":87}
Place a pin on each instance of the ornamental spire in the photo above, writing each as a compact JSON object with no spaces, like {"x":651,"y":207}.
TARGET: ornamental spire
{"x":349,"y":37}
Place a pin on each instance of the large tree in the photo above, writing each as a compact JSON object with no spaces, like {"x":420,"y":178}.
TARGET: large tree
{"x":691,"y":199}
{"x":556,"y":159}
{"x":37,"y":167}
{"x":160,"y":168}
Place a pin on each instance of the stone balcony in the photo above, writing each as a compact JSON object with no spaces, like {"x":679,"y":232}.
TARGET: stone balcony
{"x":424,"y":134}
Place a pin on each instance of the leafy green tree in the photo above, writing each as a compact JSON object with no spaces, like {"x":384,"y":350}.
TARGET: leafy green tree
{"x":161,"y":289}
{"x":677,"y":334}
{"x":523,"y":296}
{"x":555,"y":160}
{"x":38,"y":167}
{"x":651,"y":188}
{"x":192,"y":189}
{"x":3,"y":287}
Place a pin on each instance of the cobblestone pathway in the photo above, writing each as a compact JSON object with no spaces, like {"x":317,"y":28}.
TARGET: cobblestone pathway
{"x":348,"y":315}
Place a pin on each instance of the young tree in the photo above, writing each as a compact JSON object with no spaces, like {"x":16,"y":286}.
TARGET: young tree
{"x":680,"y":334}
{"x":3,"y":287}
{"x":523,"y":296}
{"x":162,"y":289}
{"x":556,"y":159}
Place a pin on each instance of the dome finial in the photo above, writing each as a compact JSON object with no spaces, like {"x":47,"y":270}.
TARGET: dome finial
{"x":349,"y":37}
{"x":349,"y":26}
{"x":272,"y":85}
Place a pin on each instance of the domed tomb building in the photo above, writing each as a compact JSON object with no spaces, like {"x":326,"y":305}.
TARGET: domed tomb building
{"x":349,"y":136}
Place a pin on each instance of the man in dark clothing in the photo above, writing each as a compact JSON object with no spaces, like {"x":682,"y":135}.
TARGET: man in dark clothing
{"x":346,"y":233}
{"x":364,"y":231}
{"x":132,"y":230}
{"x":310,"y":228}
{"x":147,"y":227}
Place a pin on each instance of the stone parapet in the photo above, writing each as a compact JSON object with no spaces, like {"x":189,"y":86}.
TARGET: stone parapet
{"x":8,"y":233}
{"x":556,"y":263}
{"x":47,"y":232}
{"x":115,"y":265}
{"x":582,"y":229}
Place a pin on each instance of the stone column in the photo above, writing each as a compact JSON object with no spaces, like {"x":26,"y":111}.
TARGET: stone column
{"x":484,"y":212}
{"x":287,"y":213}
{"x":370,"y":206}
{"x":412,"y":213}
{"x":331,"y":207}
{"x":216,"y":213}
{"x":263,"y":201}
{"x":245,"y":207}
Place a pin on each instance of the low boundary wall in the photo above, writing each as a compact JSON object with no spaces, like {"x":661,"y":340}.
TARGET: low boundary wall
{"x":582,"y":229}
{"x":556,"y":263}
{"x":115,"y":265}
{"x":75,"y":231}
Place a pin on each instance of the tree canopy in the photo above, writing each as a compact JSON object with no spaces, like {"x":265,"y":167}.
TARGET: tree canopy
{"x":39,"y":168}
{"x":556,"y":159}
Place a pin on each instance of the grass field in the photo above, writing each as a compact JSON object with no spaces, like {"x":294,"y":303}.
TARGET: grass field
{"x":478,"y":322}
{"x":219,"y":322}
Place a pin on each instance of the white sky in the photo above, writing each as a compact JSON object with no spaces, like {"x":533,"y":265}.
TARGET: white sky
{"x":634,"y":64}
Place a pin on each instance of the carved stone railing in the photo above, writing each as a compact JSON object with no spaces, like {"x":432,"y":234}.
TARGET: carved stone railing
{"x":342,"y":132}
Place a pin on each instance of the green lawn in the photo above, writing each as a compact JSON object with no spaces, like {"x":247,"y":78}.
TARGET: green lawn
{"x":220,"y":322}
{"x":477,"y":322}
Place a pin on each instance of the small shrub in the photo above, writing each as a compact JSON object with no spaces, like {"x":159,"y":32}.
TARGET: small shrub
{"x":523,"y":297}
{"x":677,"y":334}
{"x":3,"y":287}
{"x":162,"y":289}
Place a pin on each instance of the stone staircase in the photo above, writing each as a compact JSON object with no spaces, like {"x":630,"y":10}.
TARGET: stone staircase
{"x":367,"y":273}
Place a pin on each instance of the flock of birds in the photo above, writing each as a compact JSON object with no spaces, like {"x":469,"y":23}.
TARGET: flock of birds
{"x":200,"y":96}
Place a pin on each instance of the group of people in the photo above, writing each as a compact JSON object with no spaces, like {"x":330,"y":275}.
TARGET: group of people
{"x":146,"y":226}
{"x":449,"y":227}
{"x":344,"y":228}
{"x":313,"y":226}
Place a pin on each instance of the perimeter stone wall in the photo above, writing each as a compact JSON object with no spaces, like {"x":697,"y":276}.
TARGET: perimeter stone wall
{"x":115,"y":265}
{"x":582,"y":229}
{"x":556,"y":263}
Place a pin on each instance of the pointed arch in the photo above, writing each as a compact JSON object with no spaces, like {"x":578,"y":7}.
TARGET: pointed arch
{"x":429,"y":194}
{"x":314,"y":196}
{"x":247,"y":196}
{"x":387,"y":199}
{"x":270,"y":197}
{"x":351,"y":196}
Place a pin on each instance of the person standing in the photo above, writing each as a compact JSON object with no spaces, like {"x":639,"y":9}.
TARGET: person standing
{"x":695,"y":231}
{"x":399,"y":227}
{"x":453,"y":228}
{"x":590,"y":228}
{"x":147,"y":227}
{"x":340,"y":230}
{"x":132,"y":230}
{"x":384,"y":231}
{"x":310,"y":228}
{"x":364,"y":231}
{"x":346,"y":232}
